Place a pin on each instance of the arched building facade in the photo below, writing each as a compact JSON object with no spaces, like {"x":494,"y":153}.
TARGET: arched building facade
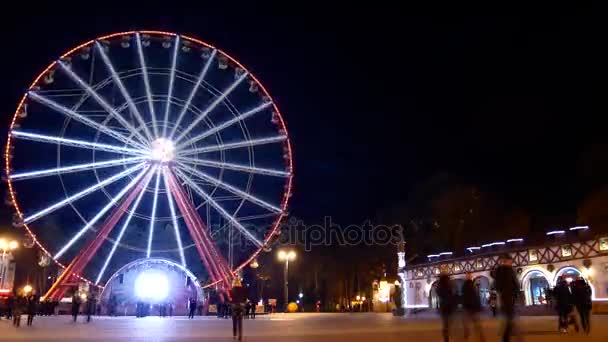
{"x":538,"y":269}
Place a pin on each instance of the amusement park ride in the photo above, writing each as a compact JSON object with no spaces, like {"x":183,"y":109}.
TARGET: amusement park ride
{"x":136,"y":131}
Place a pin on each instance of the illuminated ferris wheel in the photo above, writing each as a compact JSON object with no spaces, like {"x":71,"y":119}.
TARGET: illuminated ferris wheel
{"x":143,"y":145}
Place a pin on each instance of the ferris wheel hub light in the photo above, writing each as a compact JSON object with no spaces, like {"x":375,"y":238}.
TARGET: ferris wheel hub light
{"x":163,"y":150}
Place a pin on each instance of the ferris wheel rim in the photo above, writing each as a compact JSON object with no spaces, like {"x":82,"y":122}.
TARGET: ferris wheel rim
{"x":287,"y":143}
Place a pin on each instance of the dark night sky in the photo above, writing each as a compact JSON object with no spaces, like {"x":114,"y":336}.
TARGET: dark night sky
{"x":377,"y":103}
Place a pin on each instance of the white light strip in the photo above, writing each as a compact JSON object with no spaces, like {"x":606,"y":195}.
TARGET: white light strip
{"x":445,"y":253}
{"x":100,"y":214}
{"x":74,"y":143}
{"x":221,"y":210}
{"x":212,"y":106}
{"x":193,"y":92}
{"x":498,"y":243}
{"x":81,"y":194}
{"x":226,"y":124}
{"x":144,"y":71}
{"x":171,"y":79}
{"x":432,"y":256}
{"x":174,"y":218}
{"x":106,"y":106}
{"x":416,"y":306}
{"x":239,"y":144}
{"x":579,"y":228}
{"x":123,"y":90}
{"x":230,"y":188}
{"x":555,"y":232}
{"x":122,"y":230}
{"x":515,"y":240}
{"x":473,"y":248}
{"x":236,"y":167}
{"x":73,"y":168}
{"x":83,"y":119}
{"x":153,"y":215}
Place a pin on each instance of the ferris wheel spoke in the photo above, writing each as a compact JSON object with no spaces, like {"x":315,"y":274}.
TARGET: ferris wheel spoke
{"x":174,"y":219}
{"x":235,"y":167}
{"x":142,"y":191}
{"x":123,"y":90}
{"x":153,"y":215}
{"x":193,"y":92}
{"x":144,"y":71}
{"x":85,"y":192}
{"x":219,"y":208}
{"x":83,"y":119}
{"x":74,"y":168}
{"x":171,"y":81}
{"x":230,"y":188}
{"x":74,"y":143}
{"x":226,"y":124}
{"x":212,"y":106}
{"x":229,"y":146}
{"x":106,"y":106}
{"x":100,"y":213}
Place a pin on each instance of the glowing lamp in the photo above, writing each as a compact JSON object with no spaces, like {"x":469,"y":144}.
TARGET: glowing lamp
{"x":27,"y":289}
{"x":384,"y":291}
{"x":358,"y":298}
{"x":13,"y":245}
{"x":152,"y":285}
{"x":286,"y":255}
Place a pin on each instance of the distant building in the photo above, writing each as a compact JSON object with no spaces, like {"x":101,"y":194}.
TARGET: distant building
{"x":7,"y":273}
{"x":538,"y":268}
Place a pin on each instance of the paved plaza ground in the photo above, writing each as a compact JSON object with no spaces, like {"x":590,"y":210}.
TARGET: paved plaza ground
{"x":281,"y":327}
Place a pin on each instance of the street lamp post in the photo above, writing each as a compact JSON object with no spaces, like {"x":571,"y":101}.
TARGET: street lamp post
{"x":5,"y":246}
{"x":286,"y":256}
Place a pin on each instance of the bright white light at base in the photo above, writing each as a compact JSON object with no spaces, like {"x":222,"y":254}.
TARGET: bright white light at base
{"x":152,"y":285}
{"x":163,"y":150}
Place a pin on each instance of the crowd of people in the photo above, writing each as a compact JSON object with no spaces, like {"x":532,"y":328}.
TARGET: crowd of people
{"x":90,"y":306}
{"x":29,"y":305}
{"x":570,"y":296}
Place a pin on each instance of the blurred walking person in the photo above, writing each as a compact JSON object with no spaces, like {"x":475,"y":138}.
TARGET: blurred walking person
{"x":75,"y":306}
{"x":564,"y":304}
{"x":191,"y":307}
{"x":19,"y":307}
{"x":91,"y":301}
{"x":493,"y":301}
{"x":507,"y":287}
{"x":581,"y":292}
{"x":239,"y":296}
{"x":446,"y":304}
{"x":32,"y":302}
{"x":472,"y":306}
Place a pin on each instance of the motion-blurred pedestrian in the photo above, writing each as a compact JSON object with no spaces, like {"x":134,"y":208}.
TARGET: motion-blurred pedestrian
{"x":91,"y":302}
{"x":508,"y":289}
{"x":19,"y":307}
{"x":446,"y":304}
{"x":32,"y":304}
{"x":191,"y":307}
{"x":472,"y":306}
{"x":581,"y":291}
{"x":238,"y":296}
{"x":493,"y":301}
{"x":75,"y":306}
